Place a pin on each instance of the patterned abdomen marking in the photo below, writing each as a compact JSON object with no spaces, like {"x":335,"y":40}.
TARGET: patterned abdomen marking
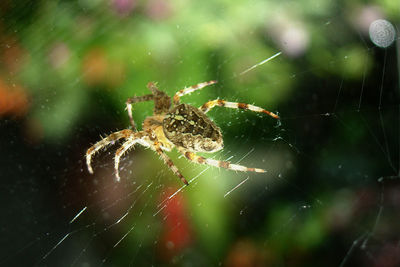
{"x":188,"y":127}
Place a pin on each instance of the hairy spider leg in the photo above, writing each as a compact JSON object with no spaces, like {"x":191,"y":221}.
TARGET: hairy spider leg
{"x":103,"y":143}
{"x":222,"y":103}
{"x":162,"y":102}
{"x":190,"y":89}
{"x":133,"y":100}
{"x":131,"y":141}
{"x":152,"y":86}
{"x":169,"y":162}
{"x":217,"y":163}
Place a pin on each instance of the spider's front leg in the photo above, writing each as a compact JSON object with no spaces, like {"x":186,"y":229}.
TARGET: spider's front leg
{"x":131,"y":141}
{"x":218,"y":163}
{"x":132,"y":100}
{"x":190,"y":89}
{"x":103,"y":143}
{"x":222,"y":103}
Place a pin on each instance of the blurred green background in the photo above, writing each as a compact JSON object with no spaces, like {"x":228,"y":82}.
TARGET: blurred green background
{"x":331,"y":194}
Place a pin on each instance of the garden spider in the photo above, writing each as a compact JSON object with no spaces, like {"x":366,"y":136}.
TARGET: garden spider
{"x":182,"y":126}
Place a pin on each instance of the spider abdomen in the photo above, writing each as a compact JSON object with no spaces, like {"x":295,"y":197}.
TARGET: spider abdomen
{"x":188,"y":127}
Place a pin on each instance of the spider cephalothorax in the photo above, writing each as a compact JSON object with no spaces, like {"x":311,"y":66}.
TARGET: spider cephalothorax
{"x":182,"y":126}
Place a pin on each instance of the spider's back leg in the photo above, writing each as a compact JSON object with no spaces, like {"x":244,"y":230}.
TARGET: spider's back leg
{"x":103,"y":143}
{"x":218,"y":163}
{"x":190,"y":89}
{"x":206,"y":107}
{"x":169,"y":162}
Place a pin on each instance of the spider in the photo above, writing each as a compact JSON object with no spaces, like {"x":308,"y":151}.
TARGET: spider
{"x":182,"y":126}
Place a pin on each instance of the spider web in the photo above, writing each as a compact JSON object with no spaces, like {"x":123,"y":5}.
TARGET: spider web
{"x":331,"y":190}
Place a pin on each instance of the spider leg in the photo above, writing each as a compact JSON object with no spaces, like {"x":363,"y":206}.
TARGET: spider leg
{"x":217,"y":163}
{"x":190,"y":89}
{"x":169,"y":162}
{"x":222,"y":103}
{"x":133,"y":100}
{"x":162,"y":102}
{"x":152,"y":86}
{"x":103,"y":143}
{"x":132,"y":140}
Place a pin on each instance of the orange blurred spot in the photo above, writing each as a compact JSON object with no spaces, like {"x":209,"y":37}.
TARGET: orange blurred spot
{"x":99,"y":70}
{"x":246,"y":253}
{"x":12,"y":54}
{"x":95,"y":67}
{"x":13,"y":99}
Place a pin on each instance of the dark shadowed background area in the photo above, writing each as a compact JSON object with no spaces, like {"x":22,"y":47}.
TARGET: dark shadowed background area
{"x":331,"y":193}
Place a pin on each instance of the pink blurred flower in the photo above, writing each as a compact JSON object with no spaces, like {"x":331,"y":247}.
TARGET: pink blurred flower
{"x":59,"y":55}
{"x":123,"y":7}
{"x":291,"y":36}
{"x":158,"y":9}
